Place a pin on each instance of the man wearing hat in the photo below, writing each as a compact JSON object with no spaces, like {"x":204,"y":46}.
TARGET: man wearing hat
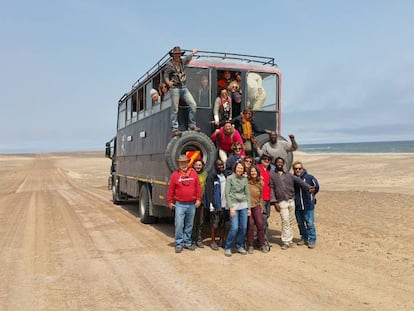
{"x":175,"y":77}
{"x":184,"y":195}
{"x":264,"y":168}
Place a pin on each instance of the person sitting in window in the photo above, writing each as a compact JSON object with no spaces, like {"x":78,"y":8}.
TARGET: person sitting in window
{"x":163,"y":89}
{"x":238,"y":78}
{"x":203,"y":92}
{"x":225,"y":80}
{"x":155,"y":97}
{"x":222,"y":108}
{"x":236,"y":97}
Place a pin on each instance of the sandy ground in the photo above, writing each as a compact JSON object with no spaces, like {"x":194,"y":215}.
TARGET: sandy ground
{"x":65,"y":246}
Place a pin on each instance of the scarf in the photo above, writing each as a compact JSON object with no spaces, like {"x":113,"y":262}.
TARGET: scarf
{"x":246,"y":128}
{"x":225,"y":103}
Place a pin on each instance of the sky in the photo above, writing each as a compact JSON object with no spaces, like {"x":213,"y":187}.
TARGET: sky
{"x":347,"y":66}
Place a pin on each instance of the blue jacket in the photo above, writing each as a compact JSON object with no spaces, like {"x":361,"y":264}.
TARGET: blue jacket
{"x":212,"y":192}
{"x":303,"y":199}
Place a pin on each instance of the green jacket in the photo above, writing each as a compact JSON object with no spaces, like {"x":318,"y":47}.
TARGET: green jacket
{"x":202,"y":177}
{"x":237,"y":191}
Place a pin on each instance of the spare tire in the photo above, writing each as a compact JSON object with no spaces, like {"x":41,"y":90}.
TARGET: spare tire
{"x":261,"y":139}
{"x":191,"y":142}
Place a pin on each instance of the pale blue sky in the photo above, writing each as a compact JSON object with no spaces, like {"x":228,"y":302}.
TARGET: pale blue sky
{"x":348,"y":66}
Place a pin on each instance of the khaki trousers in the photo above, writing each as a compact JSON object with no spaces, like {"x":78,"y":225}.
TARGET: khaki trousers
{"x":287,"y":216}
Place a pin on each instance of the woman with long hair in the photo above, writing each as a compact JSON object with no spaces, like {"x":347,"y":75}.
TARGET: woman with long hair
{"x":256,"y":218}
{"x":238,"y":203}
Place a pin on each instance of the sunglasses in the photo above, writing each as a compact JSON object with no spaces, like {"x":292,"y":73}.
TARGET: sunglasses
{"x":297,"y":168}
{"x":238,"y":148}
{"x":248,"y":161}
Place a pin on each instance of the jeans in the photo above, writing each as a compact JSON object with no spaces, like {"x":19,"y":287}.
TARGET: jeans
{"x":287,"y":216}
{"x":256,"y":219}
{"x":183,"y":222}
{"x":185,"y":94}
{"x":238,"y":226}
{"x":306,"y":224}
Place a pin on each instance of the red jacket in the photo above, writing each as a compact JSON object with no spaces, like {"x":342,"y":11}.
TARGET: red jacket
{"x":184,"y":187}
{"x":266,"y":179}
{"x":225,"y":141}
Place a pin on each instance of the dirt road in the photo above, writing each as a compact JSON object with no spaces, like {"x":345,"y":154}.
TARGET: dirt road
{"x":65,"y":246}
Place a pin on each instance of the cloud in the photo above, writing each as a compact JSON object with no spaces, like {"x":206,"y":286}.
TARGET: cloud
{"x":335,"y":104}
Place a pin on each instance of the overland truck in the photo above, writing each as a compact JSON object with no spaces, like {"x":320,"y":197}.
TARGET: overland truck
{"x":144,"y":153}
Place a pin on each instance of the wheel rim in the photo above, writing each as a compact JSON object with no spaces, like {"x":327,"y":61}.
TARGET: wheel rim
{"x":142,"y":204}
{"x":115,"y":195}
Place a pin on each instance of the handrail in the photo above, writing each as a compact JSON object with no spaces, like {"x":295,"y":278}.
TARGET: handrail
{"x":263,"y":60}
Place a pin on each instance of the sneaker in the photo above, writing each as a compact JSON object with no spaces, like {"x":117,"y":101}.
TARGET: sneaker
{"x":227,"y":252}
{"x":191,"y":247}
{"x":242,"y":251}
{"x":200,"y":244}
{"x":194,"y":128}
{"x":302,"y":242}
{"x":285,"y":246}
{"x":178,"y":249}
{"x":250,"y":250}
{"x":311,"y":245}
{"x":176,"y":133}
{"x":214,"y":246}
{"x":264,"y":249}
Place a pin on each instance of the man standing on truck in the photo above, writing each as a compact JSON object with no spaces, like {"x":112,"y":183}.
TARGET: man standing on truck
{"x":184,"y":195}
{"x":175,"y":77}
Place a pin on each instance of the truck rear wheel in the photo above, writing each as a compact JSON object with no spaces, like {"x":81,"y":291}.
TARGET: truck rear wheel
{"x":145,"y":203}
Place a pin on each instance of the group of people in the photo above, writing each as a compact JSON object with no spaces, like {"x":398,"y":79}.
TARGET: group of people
{"x":243,"y":193}
{"x":238,"y":191}
{"x":228,"y":102}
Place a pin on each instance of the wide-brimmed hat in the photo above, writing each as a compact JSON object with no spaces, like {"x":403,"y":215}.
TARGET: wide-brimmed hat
{"x":177,"y":50}
{"x":183,"y":158}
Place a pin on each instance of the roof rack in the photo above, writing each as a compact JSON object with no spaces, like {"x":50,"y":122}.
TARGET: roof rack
{"x":270,"y":61}
{"x":262,"y":60}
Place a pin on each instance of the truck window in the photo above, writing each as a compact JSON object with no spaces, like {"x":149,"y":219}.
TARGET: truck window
{"x":121,"y":115}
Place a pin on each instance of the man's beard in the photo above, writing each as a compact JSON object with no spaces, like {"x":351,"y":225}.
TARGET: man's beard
{"x":280,"y":169}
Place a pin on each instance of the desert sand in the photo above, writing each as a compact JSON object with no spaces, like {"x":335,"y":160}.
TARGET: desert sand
{"x":65,"y":246}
